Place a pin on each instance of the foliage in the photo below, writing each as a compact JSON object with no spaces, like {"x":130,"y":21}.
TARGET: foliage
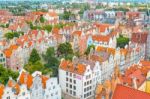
{"x":88,"y":49}
{"x":47,"y":27}
{"x":65,"y":49}
{"x":51,"y":61}
{"x":37,"y":66}
{"x":34,"y":56}
{"x":4,"y":25}
{"x":118,"y":9}
{"x":11,"y":35}
{"x":6,"y":73}
{"x":122,"y":41}
{"x":42,"y":20}
{"x":84,"y":8}
{"x":66,"y":15}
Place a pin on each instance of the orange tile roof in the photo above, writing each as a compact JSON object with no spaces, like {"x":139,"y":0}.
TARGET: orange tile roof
{"x":68,"y":66}
{"x":44,"y":79}
{"x":102,"y":27}
{"x":10,"y":83}
{"x":101,"y":38}
{"x":26,"y":78}
{"x":123,"y":92}
{"x":29,"y":81}
{"x":145,"y":63}
{"x":55,"y":30}
{"x":101,"y":48}
{"x":105,"y":49}
{"x":1,"y":90}
{"x":8,"y":52}
{"x":77,"y":33}
{"x":123,"y":51}
{"x":17,"y":89}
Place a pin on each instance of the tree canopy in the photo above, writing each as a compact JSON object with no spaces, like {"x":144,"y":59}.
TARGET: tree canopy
{"x":88,"y":49}
{"x":6,"y":73}
{"x":65,"y":49}
{"x":42,"y":20}
{"x":51,"y":61}
{"x":11,"y":35}
{"x":34,"y":56}
{"x":122,"y":41}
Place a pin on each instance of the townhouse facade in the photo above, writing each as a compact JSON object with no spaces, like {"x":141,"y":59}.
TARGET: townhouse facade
{"x":79,"y":80}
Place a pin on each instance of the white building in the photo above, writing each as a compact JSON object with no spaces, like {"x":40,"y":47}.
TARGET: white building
{"x":79,"y":79}
{"x":52,"y":90}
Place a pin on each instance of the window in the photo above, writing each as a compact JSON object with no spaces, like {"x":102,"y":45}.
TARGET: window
{"x":71,"y":80}
{"x":66,"y":90}
{"x":23,"y":93}
{"x":70,"y":86}
{"x":53,"y":87}
{"x":74,"y":93}
{"x":66,"y":84}
{"x":84,"y":89}
{"x":66,"y":73}
{"x":70,"y":91}
{"x":66,"y":79}
{"x":70,"y":74}
{"x":56,"y":93}
{"x":74,"y":87}
{"x":84,"y":95}
{"x":8,"y":97}
{"x":74,"y":81}
{"x":88,"y":83}
{"x":85,"y":84}
{"x":51,"y":94}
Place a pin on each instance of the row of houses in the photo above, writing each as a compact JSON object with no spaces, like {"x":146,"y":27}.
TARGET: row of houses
{"x":35,"y":86}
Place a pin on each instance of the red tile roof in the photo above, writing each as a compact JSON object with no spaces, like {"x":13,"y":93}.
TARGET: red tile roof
{"x":68,"y":66}
{"x":123,"y":92}
{"x":139,"y":38}
{"x":101,"y":38}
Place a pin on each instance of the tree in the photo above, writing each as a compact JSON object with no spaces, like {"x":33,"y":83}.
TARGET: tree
{"x":65,"y":49}
{"x":6,"y":73}
{"x":37,"y":66}
{"x":66,"y":15}
{"x":34,"y":56}
{"x":88,"y":49}
{"x":122,"y":41}
{"x":42,"y":20}
{"x":51,"y":61}
{"x":9,"y":36}
{"x":47,"y":27}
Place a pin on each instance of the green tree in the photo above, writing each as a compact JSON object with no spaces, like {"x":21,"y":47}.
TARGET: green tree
{"x":9,"y":35}
{"x":88,"y":49}
{"x":37,"y":66}
{"x":47,"y":27}
{"x":34,"y":56}
{"x":65,"y":49}
{"x":122,"y":41}
{"x":6,"y":73}
{"x":51,"y":61}
{"x":42,"y":20}
{"x":66,"y":15}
